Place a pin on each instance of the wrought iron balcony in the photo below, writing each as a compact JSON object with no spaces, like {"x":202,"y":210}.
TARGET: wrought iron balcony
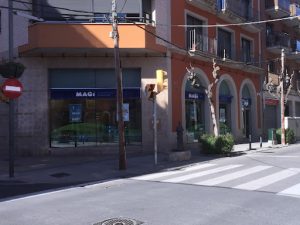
{"x":277,"y":8}
{"x":278,"y":41}
{"x":294,"y":11}
{"x":208,"y":5}
{"x":197,"y":42}
{"x":237,"y":12}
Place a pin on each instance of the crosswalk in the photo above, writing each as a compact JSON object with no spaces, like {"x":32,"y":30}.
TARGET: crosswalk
{"x":282,"y":181}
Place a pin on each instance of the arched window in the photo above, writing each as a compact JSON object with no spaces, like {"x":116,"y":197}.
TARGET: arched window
{"x":224,"y":108}
{"x":194,"y":111}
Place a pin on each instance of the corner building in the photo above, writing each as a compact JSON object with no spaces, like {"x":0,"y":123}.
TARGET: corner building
{"x":69,"y":99}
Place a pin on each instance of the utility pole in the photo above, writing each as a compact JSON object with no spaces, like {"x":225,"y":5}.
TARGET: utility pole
{"x":115,"y":36}
{"x":282,"y":80}
{"x":155,"y":128}
{"x":11,"y":147}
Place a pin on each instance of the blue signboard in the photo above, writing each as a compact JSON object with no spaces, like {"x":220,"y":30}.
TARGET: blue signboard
{"x":225,"y":98}
{"x":92,"y":93}
{"x":194,"y":95}
{"x":75,"y":113}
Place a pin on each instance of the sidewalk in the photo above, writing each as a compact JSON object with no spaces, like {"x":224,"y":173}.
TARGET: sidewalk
{"x":77,"y":169}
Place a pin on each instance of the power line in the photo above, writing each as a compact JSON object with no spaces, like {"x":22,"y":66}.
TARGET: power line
{"x":123,"y":6}
{"x":53,"y":7}
{"x":151,"y":33}
{"x":173,"y":25}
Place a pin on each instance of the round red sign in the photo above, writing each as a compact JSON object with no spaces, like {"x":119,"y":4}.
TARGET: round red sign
{"x":12,"y":88}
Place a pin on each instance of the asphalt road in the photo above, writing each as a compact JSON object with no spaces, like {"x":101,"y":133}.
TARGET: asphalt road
{"x":253,"y":189}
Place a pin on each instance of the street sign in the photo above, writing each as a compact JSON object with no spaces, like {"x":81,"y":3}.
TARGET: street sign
{"x":12,"y":88}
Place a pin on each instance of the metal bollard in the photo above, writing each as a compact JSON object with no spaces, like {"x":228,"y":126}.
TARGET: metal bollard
{"x":260,"y":142}
{"x":250,"y":142}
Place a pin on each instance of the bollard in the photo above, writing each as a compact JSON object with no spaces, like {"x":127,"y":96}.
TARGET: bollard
{"x":249,"y":141}
{"x":260,"y":142}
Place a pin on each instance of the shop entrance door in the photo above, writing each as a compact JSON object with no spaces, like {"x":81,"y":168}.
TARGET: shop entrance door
{"x":247,"y":128}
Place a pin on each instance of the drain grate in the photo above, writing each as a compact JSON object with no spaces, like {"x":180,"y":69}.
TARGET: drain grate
{"x":59,"y":175}
{"x":119,"y":221}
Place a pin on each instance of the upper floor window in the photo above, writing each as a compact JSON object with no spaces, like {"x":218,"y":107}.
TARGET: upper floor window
{"x":225,"y":49}
{"x":246,"y":50}
{"x":194,"y":35}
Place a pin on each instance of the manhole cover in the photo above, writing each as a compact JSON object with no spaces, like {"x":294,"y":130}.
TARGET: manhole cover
{"x":119,"y":221}
{"x":59,"y":175}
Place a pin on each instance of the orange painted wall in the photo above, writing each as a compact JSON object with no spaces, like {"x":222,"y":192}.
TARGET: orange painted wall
{"x":181,"y":61}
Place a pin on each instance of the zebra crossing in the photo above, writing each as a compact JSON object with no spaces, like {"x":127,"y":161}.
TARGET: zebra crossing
{"x":282,"y":181}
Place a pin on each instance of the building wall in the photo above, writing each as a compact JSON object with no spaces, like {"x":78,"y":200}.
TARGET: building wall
{"x":32,"y":119}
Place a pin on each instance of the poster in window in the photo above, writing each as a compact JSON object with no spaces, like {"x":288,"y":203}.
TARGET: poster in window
{"x":222,"y":115}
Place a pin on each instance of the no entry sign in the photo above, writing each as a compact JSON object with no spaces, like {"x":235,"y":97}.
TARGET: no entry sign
{"x":12,"y":88}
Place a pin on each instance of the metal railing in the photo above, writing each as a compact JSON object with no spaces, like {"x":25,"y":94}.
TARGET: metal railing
{"x":199,"y":42}
{"x":278,"y":39}
{"x":295,"y":10}
{"x":295,"y":46}
{"x":240,"y":9}
{"x":281,"y":4}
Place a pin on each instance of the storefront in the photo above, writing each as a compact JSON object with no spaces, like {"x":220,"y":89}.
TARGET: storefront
{"x":83,"y":107}
{"x":194,"y":112}
{"x":225,"y":99}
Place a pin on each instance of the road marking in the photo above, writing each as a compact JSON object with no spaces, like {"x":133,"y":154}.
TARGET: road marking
{"x":275,"y":156}
{"x":293,"y":191}
{"x":233,"y":176}
{"x":200,"y":174}
{"x":162,"y":174}
{"x":267,"y":180}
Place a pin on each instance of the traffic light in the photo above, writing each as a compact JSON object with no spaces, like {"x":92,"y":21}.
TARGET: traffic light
{"x":149,"y":90}
{"x":160,"y":79}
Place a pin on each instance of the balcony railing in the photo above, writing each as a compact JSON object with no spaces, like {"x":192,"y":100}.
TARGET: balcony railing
{"x":278,"y":4}
{"x":295,"y":10}
{"x":295,"y":46}
{"x":199,"y":42}
{"x":251,"y":60}
{"x":278,"y":39}
{"x":239,"y":8}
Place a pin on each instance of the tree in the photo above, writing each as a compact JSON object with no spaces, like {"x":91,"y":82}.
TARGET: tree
{"x":208,"y":91}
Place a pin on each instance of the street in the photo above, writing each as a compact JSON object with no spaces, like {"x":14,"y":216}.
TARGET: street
{"x":261,"y":187}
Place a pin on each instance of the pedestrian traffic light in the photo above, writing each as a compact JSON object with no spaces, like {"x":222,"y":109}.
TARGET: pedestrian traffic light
{"x":149,"y":90}
{"x":160,"y":80}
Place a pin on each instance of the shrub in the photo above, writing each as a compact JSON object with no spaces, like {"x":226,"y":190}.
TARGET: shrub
{"x":208,"y":143}
{"x":289,"y":136}
{"x":222,"y":144}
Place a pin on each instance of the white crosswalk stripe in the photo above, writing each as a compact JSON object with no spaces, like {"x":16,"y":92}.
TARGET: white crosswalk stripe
{"x":233,"y":176}
{"x":291,"y":191}
{"x":267,"y":180}
{"x":261,"y":177}
{"x":200,"y":174}
{"x":177,"y":172}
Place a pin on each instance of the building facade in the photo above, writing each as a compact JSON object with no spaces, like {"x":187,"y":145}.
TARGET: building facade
{"x":69,"y":98}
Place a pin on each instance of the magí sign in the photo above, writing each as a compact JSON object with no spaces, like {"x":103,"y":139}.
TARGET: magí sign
{"x":12,"y":88}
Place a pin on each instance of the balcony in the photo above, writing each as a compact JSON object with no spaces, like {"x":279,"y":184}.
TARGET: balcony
{"x":278,"y":41}
{"x":295,"y":51}
{"x":294,"y":11}
{"x":252,"y":59}
{"x":277,"y":8}
{"x":234,"y":11}
{"x":79,"y":39}
{"x":207,"y":5}
{"x":199,"y":43}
